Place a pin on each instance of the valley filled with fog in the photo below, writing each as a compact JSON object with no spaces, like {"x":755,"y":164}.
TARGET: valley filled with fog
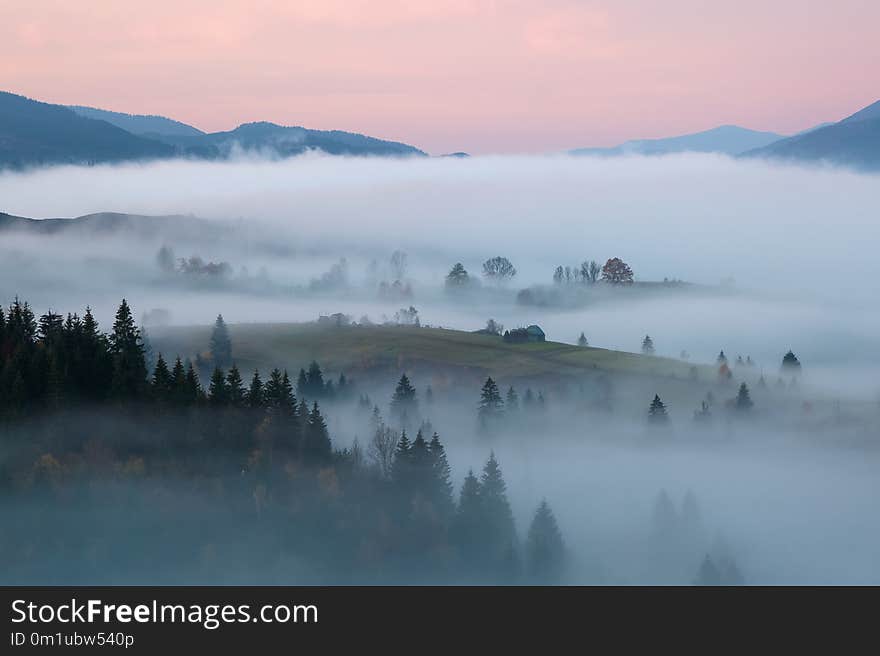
{"x":747,"y":258}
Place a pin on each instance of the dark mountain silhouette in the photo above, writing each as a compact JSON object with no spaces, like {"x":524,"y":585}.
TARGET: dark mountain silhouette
{"x":853,"y":142}
{"x":33,"y":133}
{"x":282,"y":141}
{"x":140,"y":124}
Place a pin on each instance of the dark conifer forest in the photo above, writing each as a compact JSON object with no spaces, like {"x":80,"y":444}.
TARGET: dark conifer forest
{"x":111,"y":464}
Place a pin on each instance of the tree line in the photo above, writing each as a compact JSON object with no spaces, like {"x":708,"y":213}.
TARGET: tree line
{"x":82,"y":407}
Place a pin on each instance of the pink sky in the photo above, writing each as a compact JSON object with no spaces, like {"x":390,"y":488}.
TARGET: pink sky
{"x":481,"y":76}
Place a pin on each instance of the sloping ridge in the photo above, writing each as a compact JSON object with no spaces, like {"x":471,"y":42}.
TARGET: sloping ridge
{"x":854,"y":141}
{"x":35,"y":133}
{"x":726,"y":139}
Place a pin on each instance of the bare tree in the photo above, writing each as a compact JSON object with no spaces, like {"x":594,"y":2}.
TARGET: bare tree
{"x":498,"y":269}
{"x":381,"y":449}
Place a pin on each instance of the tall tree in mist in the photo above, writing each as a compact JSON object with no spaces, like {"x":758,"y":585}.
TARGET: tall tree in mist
{"x":129,"y":365}
{"x":491,"y":405}
{"x":314,"y":386}
{"x":401,"y":469}
{"x":404,"y":402}
{"x":316,"y":441}
{"x":440,"y":485}
{"x":511,"y":401}
{"x":161,"y":382}
{"x":221,"y":346}
{"x":648,"y":345}
{"x":235,"y":387}
{"x":791,"y":366}
{"x":657,"y":411}
{"x":743,"y":399}
{"x":218,"y":392}
{"x":545,"y":549}
{"x":498,"y":518}
{"x":467,"y":526}
{"x":458,"y":277}
{"x":255,"y":396}
{"x":582,"y":340}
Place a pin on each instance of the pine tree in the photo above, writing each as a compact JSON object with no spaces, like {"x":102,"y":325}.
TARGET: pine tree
{"x":648,"y":345}
{"x":317,"y":447}
{"x":302,"y":384}
{"x":491,"y":405}
{"x":790,"y":364}
{"x":458,"y":277}
{"x":235,"y":387}
{"x":221,"y":345}
{"x":288,"y":400}
{"x":441,"y":480}
{"x":400,"y":465}
{"x":545,"y":550}
{"x":314,"y":381}
{"x":582,"y":340}
{"x":511,"y":403}
{"x":218,"y":393}
{"x":657,"y":411}
{"x":161,"y":384}
{"x":467,"y":525}
{"x":403,"y":401}
{"x":255,"y":397}
{"x":500,"y":533}
{"x":178,"y":383}
{"x":194,"y":392}
{"x":274,"y":391}
{"x":722,"y":359}
{"x":743,"y":400}
{"x":129,"y":366}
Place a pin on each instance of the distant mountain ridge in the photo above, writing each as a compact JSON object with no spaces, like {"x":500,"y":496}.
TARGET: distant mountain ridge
{"x":34,"y":133}
{"x":287,"y":141}
{"x":853,"y":142}
{"x":140,"y":124}
{"x":727,"y":139}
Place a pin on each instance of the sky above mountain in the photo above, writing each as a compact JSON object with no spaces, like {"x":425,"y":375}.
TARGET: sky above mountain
{"x":480,"y":76}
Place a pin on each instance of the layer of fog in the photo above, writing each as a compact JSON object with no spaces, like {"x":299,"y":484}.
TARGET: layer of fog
{"x":798,"y":242}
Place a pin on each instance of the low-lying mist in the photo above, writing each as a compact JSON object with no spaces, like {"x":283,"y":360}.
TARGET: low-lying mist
{"x":746,"y":257}
{"x":785,"y":253}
